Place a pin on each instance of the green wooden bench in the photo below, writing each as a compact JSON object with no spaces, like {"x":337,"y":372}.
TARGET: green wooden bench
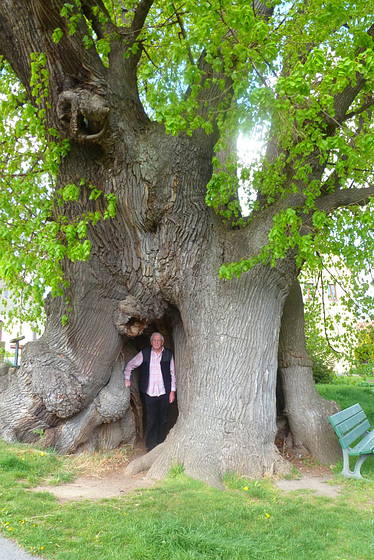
{"x":352,"y":427}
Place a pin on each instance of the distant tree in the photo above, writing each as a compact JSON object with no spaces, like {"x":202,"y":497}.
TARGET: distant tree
{"x":364,"y":351}
{"x":332,"y":319}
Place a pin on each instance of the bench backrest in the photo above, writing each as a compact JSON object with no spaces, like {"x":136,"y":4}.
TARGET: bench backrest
{"x":350,"y":424}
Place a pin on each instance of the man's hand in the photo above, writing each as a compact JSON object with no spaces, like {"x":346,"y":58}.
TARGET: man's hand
{"x":127,"y":382}
{"x":172,"y":397}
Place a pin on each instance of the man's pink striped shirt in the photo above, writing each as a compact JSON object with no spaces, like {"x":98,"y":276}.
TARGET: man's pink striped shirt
{"x":156,"y":383}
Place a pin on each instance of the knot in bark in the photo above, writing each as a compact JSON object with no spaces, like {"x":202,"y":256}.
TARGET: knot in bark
{"x":84,"y":114}
{"x":131,"y":317}
{"x":112,"y":405}
{"x":54,"y":378}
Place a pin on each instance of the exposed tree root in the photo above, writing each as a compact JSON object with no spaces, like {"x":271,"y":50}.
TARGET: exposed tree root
{"x":206,"y":465}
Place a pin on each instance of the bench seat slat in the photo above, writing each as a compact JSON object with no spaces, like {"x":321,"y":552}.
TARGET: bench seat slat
{"x":343,"y":427}
{"x":350,"y":437}
{"x":365,"y":446}
{"x":344,"y":414}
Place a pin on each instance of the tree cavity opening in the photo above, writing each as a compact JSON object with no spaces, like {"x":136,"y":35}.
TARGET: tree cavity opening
{"x":171,"y":328}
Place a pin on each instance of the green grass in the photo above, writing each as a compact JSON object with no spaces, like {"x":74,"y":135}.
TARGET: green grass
{"x":346,"y":396}
{"x":182,"y":519}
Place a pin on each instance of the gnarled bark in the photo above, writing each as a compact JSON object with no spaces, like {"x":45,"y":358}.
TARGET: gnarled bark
{"x":226,"y":381}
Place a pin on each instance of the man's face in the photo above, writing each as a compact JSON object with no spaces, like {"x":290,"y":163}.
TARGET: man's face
{"x":156,"y":342}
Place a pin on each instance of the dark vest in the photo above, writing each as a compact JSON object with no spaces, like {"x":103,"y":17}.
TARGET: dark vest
{"x":165,"y":368}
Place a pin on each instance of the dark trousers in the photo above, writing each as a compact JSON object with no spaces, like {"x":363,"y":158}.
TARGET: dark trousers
{"x":157,"y":419}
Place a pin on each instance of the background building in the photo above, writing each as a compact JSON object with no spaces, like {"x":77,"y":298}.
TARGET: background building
{"x":331,"y":321}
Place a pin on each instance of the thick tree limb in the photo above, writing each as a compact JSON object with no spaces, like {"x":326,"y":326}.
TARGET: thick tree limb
{"x":361,"y":110}
{"x":89,"y":13}
{"x":130,"y":31}
{"x":345,"y":98}
{"x":307,"y":412}
{"x":345,"y":197}
{"x":140,"y":15}
{"x":26,"y":27}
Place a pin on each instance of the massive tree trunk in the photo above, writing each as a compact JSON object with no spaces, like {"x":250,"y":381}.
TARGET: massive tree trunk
{"x":307,"y":412}
{"x":155,"y":265}
{"x":227,"y":388}
{"x":225,"y":334}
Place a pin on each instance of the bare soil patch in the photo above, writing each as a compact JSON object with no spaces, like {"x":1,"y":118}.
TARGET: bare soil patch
{"x":318,"y":485}
{"x":101,"y":477}
{"x":104,"y":478}
{"x":307,"y":466}
{"x":96,"y":488}
{"x":311,"y":477}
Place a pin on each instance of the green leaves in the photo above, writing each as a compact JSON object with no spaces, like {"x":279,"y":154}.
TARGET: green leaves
{"x":39,"y":80}
{"x":72,"y":13}
{"x":57,"y":35}
{"x":214,"y":68}
{"x":33,"y":241}
{"x":70,"y":192}
{"x":72,"y":234}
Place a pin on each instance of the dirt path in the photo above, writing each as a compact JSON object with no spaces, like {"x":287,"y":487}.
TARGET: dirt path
{"x":103,"y":479}
{"x":97,"y":487}
{"x":111,"y":482}
{"x":312,"y":477}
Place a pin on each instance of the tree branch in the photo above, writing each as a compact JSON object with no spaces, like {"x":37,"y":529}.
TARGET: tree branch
{"x":140,"y":15}
{"x":24,"y":31}
{"x":345,"y":197}
{"x":345,"y":98}
{"x":133,"y":25}
{"x":87,"y":9}
{"x":184,"y":35}
{"x":359,"y":111}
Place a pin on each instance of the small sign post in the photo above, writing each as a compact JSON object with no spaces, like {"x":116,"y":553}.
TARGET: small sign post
{"x":16,"y":341}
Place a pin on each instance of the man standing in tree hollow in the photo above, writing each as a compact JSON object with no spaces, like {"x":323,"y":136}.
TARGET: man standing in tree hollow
{"x":158,"y":385}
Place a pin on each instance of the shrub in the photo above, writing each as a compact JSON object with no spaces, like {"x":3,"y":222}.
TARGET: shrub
{"x":322,"y":371}
{"x":363,"y":370}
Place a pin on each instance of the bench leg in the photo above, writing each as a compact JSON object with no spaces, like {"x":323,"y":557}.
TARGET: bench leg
{"x":356,"y":473}
{"x":346,"y":469}
{"x":358,"y":465}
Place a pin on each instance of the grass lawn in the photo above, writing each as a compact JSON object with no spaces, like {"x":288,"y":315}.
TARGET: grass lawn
{"x":346,"y":395}
{"x":184,"y":519}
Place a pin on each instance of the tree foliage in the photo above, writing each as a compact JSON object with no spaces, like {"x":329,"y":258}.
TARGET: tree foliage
{"x":33,"y":241}
{"x":297,"y":76}
{"x":364,"y":351}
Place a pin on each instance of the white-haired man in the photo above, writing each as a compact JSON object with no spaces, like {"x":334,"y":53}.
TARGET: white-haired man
{"x":157,"y":383}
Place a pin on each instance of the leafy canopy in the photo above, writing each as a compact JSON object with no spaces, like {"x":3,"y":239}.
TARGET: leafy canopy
{"x":278,"y":76}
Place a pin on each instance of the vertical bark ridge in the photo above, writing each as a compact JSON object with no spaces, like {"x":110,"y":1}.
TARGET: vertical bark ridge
{"x":307,"y":412}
